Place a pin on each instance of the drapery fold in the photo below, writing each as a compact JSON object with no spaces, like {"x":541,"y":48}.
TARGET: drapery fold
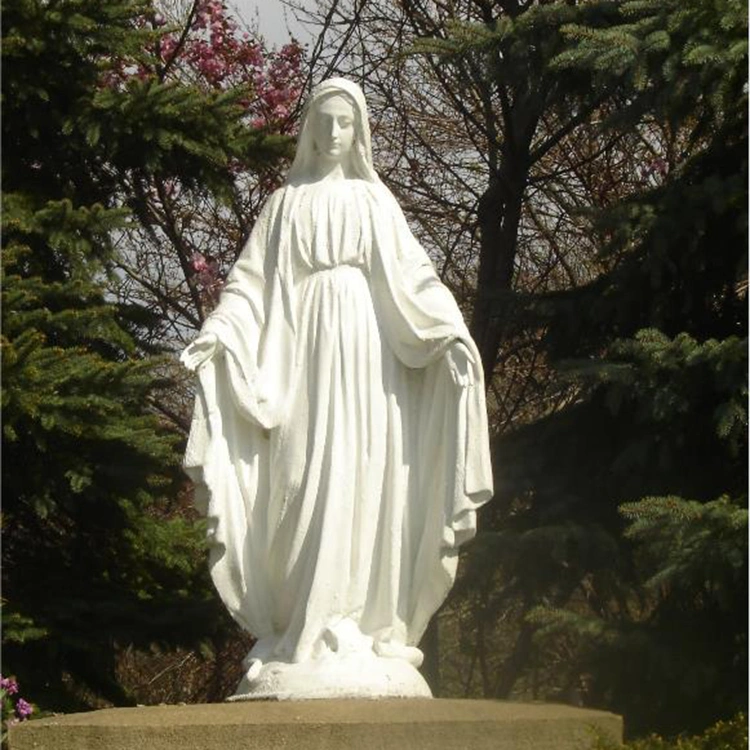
{"x":350,"y":490}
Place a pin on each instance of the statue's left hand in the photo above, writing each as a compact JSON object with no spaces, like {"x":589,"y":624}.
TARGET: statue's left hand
{"x":460,"y":362}
{"x":200,"y":351}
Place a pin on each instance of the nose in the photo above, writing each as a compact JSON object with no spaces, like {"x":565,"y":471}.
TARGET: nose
{"x":335,"y":129}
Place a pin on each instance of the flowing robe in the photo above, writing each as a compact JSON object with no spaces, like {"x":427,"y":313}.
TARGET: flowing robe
{"x":338,"y":463}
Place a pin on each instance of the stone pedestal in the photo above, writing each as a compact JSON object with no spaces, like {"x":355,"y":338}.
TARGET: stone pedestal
{"x":407,"y":724}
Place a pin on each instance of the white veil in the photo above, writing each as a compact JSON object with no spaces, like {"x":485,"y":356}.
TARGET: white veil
{"x":361,"y":155}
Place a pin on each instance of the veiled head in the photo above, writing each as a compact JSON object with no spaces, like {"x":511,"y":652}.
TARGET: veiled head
{"x":334,"y":127}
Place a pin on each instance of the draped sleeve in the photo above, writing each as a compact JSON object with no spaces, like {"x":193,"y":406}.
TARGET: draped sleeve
{"x":239,"y":398}
{"x":254,"y":319}
{"x":420,"y":320}
{"x":421,"y":316}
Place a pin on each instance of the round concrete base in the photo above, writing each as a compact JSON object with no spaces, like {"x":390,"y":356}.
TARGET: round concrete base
{"x":355,"y":675}
{"x":407,"y":724}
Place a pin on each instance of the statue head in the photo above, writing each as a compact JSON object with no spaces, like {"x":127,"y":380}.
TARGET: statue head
{"x":334,"y":127}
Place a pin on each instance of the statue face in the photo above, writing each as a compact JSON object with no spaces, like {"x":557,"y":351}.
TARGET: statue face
{"x":333,"y":127}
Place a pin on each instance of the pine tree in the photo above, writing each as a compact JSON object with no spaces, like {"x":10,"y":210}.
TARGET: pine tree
{"x":619,"y":527}
{"x":656,"y":354}
{"x":98,"y":550}
{"x":664,"y":399}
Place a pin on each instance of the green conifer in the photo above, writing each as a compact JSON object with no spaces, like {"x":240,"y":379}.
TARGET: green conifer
{"x":634,"y":604}
{"x":98,"y":551}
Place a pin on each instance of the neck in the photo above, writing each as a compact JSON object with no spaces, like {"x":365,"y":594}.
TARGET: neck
{"x":330,"y":170}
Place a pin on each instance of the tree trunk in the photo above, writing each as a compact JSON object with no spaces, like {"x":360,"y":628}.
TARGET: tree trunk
{"x":499,"y":217}
{"x":514,"y":665}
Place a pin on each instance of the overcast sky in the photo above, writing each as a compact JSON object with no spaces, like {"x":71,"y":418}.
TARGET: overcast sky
{"x":275,"y":22}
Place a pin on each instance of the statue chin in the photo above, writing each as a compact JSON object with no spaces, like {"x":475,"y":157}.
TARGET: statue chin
{"x":345,"y":664}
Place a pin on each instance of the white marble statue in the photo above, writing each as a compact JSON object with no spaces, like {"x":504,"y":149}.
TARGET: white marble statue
{"x":339,"y":442}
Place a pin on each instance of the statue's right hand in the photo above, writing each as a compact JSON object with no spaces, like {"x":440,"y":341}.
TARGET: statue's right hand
{"x":200,"y":351}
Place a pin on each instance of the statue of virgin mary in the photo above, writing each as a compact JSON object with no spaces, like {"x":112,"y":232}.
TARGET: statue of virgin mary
{"x":339,"y":442}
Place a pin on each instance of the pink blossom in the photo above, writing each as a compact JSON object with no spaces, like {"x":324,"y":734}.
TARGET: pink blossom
{"x":9,"y":685}
{"x":217,"y":54}
{"x":198,"y":263}
{"x":23,"y":709}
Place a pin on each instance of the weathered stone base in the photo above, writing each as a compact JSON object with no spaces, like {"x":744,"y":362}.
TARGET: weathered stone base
{"x":408,"y":724}
{"x":356,"y":675}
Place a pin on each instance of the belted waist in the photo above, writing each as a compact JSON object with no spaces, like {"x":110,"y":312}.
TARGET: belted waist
{"x":340,"y":268}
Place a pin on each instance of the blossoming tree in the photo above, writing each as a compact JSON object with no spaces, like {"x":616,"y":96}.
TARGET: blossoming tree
{"x":189,"y":236}
{"x":139,"y":141}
